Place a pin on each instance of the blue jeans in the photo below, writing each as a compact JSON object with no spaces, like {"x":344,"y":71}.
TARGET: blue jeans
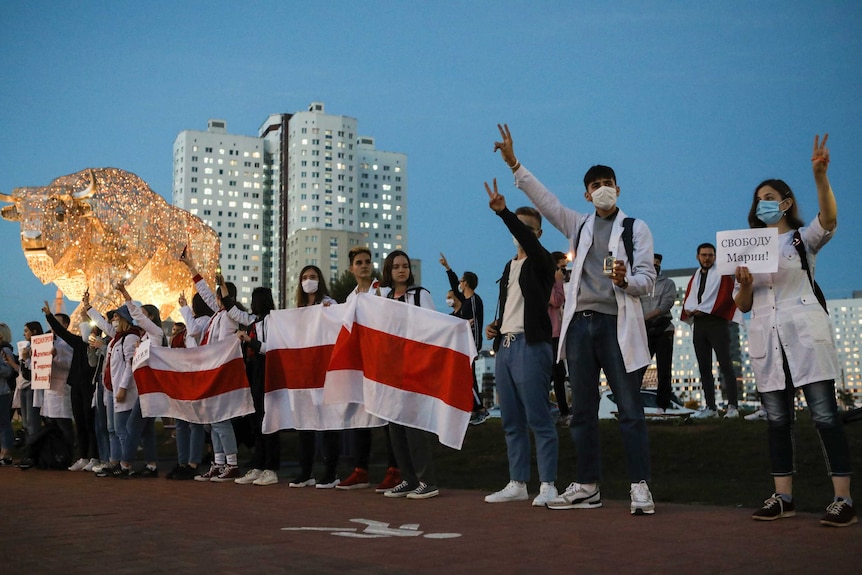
{"x":523,"y":379}
{"x":142,"y":431}
{"x":115,"y":452}
{"x":820,"y":397}
{"x":101,"y":423}
{"x":190,"y":442}
{"x":591,"y":346}
{"x":223,"y":438}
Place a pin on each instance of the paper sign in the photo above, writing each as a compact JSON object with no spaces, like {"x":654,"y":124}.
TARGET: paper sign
{"x":142,"y":354}
{"x":755,"y":248}
{"x":41,"y":359}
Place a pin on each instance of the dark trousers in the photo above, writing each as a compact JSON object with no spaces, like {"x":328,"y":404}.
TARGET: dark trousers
{"x":267,"y":448}
{"x":308,"y":447}
{"x":413,"y":451}
{"x":661,"y":346}
{"x":712,"y":333}
{"x":559,"y":378}
{"x":85,"y":419}
{"x":362,"y":444}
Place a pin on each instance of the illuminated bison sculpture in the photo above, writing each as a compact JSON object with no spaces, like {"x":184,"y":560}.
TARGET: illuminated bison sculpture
{"x":90,"y":229}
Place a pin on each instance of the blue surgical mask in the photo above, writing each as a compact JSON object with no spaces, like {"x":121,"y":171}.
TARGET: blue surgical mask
{"x":768,"y":212}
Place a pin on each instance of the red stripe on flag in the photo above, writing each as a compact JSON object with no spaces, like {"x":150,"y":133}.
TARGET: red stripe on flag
{"x":415,"y":366}
{"x":347,"y":353}
{"x":192,"y":385}
{"x":297,"y":368}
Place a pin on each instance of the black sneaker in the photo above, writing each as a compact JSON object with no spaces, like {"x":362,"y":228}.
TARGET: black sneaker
{"x":145,"y":473}
{"x":107,"y":471}
{"x":401,"y":490}
{"x":424,"y":492}
{"x":185,"y":473}
{"x":172,"y":473}
{"x":839,"y":514}
{"x":774,"y":508}
{"x":25,"y":464}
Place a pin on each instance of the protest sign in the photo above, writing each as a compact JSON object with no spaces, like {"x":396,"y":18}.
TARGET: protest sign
{"x":41,"y":357}
{"x":755,"y":248}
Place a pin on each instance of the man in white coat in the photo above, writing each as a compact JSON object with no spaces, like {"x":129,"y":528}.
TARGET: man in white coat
{"x":603,"y":327}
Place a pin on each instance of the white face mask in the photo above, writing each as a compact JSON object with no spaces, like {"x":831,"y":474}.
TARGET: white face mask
{"x":515,"y":241}
{"x":309,"y":286}
{"x":115,"y":323}
{"x":604,"y":198}
{"x":450,"y":302}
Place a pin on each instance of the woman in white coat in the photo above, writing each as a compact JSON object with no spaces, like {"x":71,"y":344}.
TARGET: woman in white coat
{"x":790,"y":340}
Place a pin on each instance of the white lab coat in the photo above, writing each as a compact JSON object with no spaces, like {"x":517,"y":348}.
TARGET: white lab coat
{"x":786,"y":315}
{"x":631,"y":331}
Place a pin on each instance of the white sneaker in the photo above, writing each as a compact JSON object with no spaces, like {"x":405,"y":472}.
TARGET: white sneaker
{"x":757,"y":415}
{"x":90,"y":465}
{"x":514,"y":491}
{"x":732,"y":412}
{"x":100,"y":466}
{"x":250,"y":476}
{"x":577,"y":496}
{"x":267,"y":477}
{"x":642,"y":503}
{"x":547,"y":492}
{"x":79,"y":465}
{"x":328,"y":484}
{"x":705,"y":413}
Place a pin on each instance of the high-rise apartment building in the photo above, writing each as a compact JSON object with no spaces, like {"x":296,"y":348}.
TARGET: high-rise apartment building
{"x":319,"y":189}
{"x":220,"y":177}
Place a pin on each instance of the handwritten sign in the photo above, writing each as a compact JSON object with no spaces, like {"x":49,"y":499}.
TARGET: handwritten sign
{"x":755,"y":248}
{"x":142,"y":354}
{"x":41,"y":358}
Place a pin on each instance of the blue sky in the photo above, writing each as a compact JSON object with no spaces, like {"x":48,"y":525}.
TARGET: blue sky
{"x":692,"y":103}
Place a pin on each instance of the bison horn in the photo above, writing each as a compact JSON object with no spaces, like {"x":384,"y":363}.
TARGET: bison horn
{"x":88,"y":191}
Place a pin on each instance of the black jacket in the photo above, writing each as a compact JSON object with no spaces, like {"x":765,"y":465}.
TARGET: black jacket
{"x":536,"y":281}
{"x":80,"y":372}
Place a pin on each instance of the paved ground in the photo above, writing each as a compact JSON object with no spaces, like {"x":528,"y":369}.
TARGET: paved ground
{"x":73,"y":522}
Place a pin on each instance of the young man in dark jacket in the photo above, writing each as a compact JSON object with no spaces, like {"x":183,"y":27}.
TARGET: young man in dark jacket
{"x":525,"y":356}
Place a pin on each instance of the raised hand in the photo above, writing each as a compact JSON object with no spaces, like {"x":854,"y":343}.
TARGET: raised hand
{"x":182,"y":300}
{"x":46,"y":309}
{"x":496,"y":201}
{"x":121,"y":287}
{"x":443,"y":261}
{"x":507,"y":150}
{"x":820,"y":155}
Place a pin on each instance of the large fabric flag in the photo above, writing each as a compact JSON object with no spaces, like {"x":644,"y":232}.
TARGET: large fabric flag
{"x":205,"y":384}
{"x":407,"y":364}
{"x":299,"y":344}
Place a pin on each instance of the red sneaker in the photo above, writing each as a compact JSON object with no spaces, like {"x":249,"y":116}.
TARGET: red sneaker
{"x":392,"y":480}
{"x":357,"y":480}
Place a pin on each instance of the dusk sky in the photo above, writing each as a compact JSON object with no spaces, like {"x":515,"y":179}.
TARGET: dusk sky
{"x":692,"y":103}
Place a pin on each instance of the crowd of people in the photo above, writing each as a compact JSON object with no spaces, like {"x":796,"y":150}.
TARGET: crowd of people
{"x":609,"y":313}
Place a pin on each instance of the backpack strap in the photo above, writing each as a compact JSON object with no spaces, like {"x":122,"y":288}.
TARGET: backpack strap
{"x":803,"y":256}
{"x":628,"y":238}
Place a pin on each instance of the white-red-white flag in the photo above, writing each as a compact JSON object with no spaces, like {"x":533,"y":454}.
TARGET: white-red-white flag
{"x":205,"y":384}
{"x":406,"y":364}
{"x":299,"y":344}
